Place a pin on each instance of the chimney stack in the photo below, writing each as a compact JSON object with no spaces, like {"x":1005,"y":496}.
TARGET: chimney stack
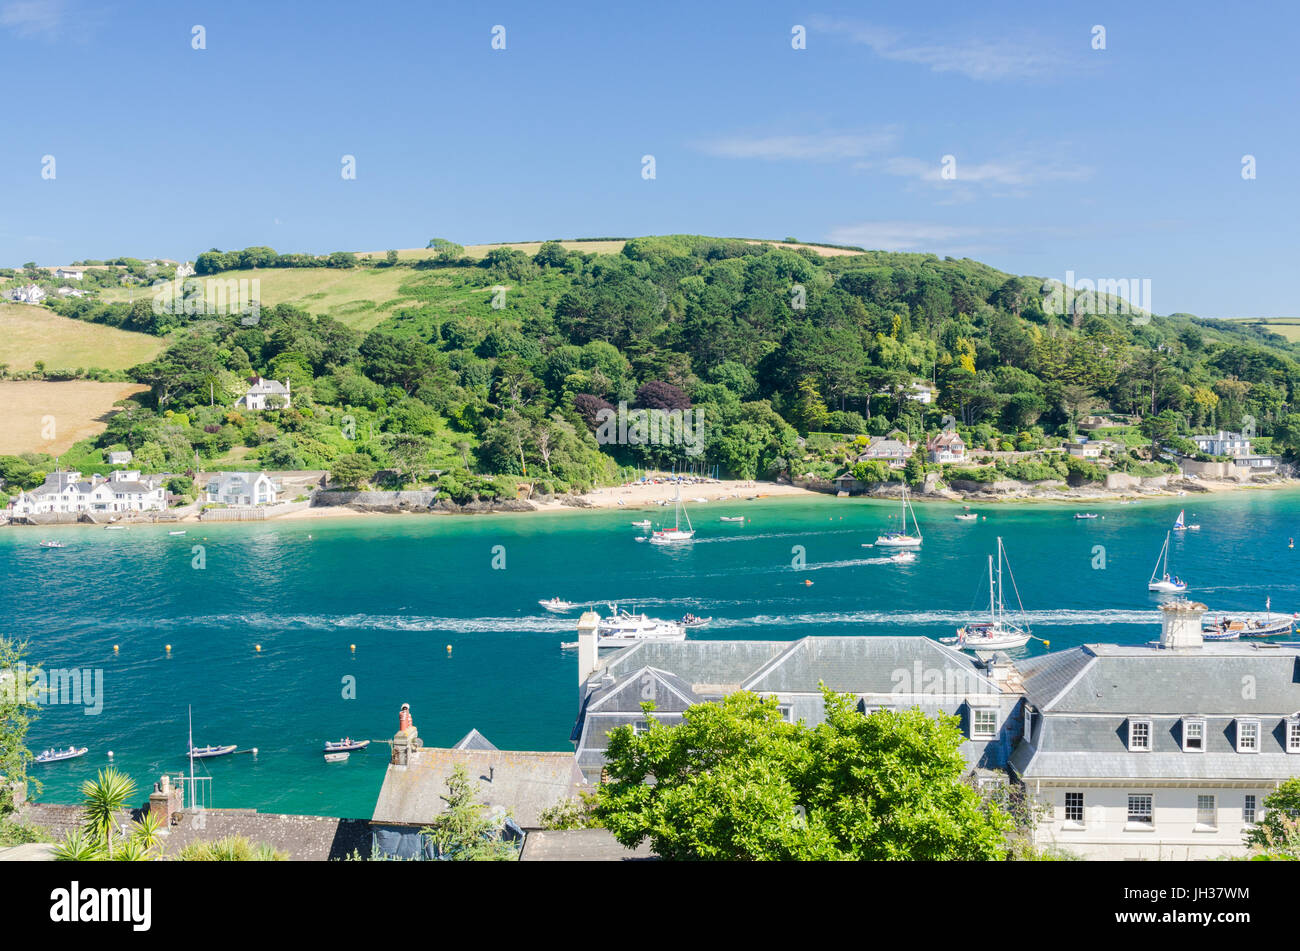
{"x":1181,"y":624}
{"x":407,"y":739}
{"x":587,"y":652}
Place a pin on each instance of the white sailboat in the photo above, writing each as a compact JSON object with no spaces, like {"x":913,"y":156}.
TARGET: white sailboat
{"x":997,"y":633}
{"x":1160,"y":578}
{"x":902,"y":539}
{"x":1180,"y":525}
{"x":675,"y":535}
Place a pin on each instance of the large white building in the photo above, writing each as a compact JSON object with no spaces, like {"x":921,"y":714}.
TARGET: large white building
{"x":1158,"y":751}
{"x":68,"y":493}
{"x":261,"y":390}
{"x":242,"y":489}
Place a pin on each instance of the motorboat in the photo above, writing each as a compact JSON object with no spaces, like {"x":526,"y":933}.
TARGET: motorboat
{"x":1232,"y":626}
{"x":55,"y":756}
{"x":1086,"y":515}
{"x":557,"y":604}
{"x":693,"y":621}
{"x":207,"y":752}
{"x":903,"y":557}
{"x":345,"y":745}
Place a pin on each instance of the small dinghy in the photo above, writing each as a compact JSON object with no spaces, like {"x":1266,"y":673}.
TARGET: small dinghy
{"x":692,"y":621}
{"x":644,"y":523}
{"x":51,"y":544}
{"x":55,"y":756}
{"x":732,"y":518}
{"x":555,"y":604}
{"x":1085,"y":515}
{"x":207,"y":752}
{"x":966,"y":517}
{"x":116,"y":528}
{"x":175,"y":533}
{"x":336,"y":757}
{"x":903,"y":557}
{"x":345,"y":746}
{"x":1180,"y":524}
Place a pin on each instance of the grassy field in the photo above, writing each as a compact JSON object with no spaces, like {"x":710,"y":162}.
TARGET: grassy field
{"x":1288,"y":327}
{"x":64,"y":412}
{"x":29,"y":334}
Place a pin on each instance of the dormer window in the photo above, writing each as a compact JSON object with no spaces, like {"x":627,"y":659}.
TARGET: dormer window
{"x":1247,"y":736}
{"x":1139,"y":736}
{"x":983,"y":723}
{"x":1293,"y":734}
{"x":1193,"y":736}
{"x":1029,"y":725}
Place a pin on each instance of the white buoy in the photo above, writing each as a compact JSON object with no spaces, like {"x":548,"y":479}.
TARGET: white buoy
{"x":110,"y":754}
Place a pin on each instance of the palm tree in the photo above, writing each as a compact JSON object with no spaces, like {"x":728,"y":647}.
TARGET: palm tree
{"x":103,"y":798}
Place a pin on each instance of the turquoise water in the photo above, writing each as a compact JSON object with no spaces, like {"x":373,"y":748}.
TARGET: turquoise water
{"x":404,"y":588}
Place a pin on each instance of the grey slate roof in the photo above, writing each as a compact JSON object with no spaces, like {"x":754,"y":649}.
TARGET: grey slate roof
{"x":1108,"y":678}
{"x":474,"y":740}
{"x":523,"y":783}
{"x":1087,"y":697}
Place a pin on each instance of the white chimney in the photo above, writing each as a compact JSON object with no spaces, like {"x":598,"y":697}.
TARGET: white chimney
{"x":1181,"y":624}
{"x":587,"y":645}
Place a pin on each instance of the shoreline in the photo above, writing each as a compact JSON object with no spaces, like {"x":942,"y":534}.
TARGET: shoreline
{"x":651,"y":496}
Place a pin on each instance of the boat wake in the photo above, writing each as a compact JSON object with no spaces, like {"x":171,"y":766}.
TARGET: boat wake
{"x":1062,"y":618}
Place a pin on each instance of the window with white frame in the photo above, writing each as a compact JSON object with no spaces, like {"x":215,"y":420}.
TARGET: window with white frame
{"x":1206,"y":814}
{"x":1248,"y":809}
{"x":1293,"y":735}
{"x":640,"y":726}
{"x":1139,"y":736}
{"x":1247,"y":736}
{"x":787,"y":712}
{"x":1074,"y":808}
{"x":1029,"y":724}
{"x":1140,"y":811}
{"x":984,"y":723}
{"x":1193,"y":736}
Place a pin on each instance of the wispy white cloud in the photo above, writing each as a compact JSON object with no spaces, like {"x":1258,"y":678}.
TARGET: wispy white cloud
{"x":1015,"y":172}
{"x":34,"y":17}
{"x":956,"y":240}
{"x":996,"y":57}
{"x":808,"y":147}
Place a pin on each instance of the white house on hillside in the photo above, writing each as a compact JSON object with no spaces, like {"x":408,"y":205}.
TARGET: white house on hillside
{"x":69,"y":273}
{"x":946,"y":447}
{"x":242,"y":489}
{"x":28,"y":294}
{"x":66,"y":492}
{"x":261,"y":390}
{"x":1160,"y":751}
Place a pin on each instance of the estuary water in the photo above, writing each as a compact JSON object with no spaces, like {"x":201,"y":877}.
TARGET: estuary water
{"x":355,"y":616}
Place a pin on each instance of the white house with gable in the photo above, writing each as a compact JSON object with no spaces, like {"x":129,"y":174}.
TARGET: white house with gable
{"x":241,"y":489}
{"x":261,"y":390}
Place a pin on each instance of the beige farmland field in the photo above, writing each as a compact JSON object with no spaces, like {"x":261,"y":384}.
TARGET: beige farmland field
{"x":29,"y":334}
{"x":69,"y":412}
{"x":586,"y":247}
{"x":1288,"y":327}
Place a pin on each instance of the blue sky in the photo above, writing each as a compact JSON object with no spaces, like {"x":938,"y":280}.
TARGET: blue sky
{"x":1117,"y":163}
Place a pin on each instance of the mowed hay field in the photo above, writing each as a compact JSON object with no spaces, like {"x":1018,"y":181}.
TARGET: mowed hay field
{"x":68,"y":412}
{"x":29,"y":334}
{"x":1288,"y":327}
{"x":360,"y":297}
